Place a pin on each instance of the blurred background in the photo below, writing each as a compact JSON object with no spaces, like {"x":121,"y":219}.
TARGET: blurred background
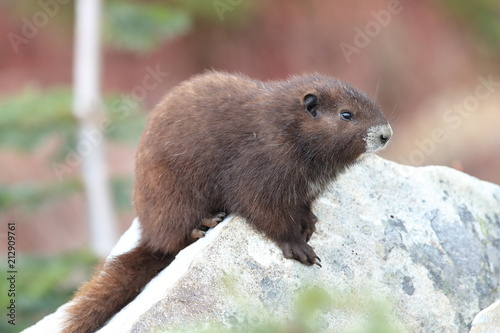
{"x":432,"y":65}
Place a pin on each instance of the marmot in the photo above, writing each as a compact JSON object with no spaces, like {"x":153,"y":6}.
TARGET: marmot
{"x":226,"y":144}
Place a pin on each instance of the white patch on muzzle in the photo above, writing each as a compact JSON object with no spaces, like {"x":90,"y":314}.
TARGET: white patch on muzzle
{"x":377,"y":137}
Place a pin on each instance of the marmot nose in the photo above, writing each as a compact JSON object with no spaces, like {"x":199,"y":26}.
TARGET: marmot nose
{"x":384,"y":138}
{"x":386,"y":135}
{"x":377,"y":137}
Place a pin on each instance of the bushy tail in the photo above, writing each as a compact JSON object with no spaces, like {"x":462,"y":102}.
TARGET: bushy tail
{"x":116,"y":285}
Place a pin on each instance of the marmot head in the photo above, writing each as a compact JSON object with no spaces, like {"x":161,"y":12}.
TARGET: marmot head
{"x":338,"y":120}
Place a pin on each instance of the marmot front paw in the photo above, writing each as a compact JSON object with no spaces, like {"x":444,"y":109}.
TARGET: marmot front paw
{"x":300,"y":251}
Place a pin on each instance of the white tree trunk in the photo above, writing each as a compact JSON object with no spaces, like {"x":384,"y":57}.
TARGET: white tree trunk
{"x":88,"y":109}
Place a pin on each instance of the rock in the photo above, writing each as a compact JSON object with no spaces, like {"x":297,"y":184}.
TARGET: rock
{"x":411,"y":249}
{"x":488,"y":320}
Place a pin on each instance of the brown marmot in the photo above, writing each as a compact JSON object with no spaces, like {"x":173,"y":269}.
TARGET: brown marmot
{"x":226,"y":144}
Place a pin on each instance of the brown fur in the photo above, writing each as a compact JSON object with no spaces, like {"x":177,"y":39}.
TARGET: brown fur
{"x":227,"y":143}
{"x":119,"y":282}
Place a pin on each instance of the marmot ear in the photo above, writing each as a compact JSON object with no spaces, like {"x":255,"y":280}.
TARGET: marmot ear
{"x":311,"y":103}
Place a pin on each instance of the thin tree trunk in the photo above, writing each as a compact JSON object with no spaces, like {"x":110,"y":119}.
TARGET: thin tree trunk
{"x":88,"y":109}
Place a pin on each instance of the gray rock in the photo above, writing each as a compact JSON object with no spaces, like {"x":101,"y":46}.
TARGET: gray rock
{"x":411,"y":249}
{"x":488,"y":320}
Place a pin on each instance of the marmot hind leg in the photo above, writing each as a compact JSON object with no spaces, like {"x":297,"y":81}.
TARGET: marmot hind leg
{"x":207,"y":223}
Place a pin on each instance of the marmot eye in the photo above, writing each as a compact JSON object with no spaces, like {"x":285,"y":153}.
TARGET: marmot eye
{"x":346,"y":115}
